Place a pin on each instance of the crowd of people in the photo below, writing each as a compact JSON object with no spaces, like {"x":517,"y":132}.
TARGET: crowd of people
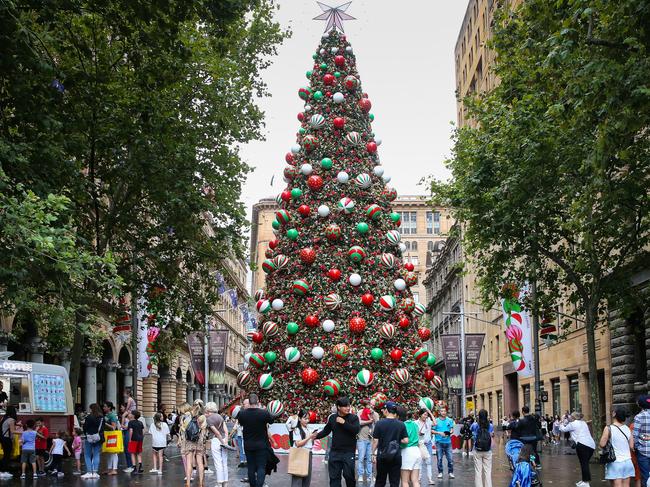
{"x":381,"y":443}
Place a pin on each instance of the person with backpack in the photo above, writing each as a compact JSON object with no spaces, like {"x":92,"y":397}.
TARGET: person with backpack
{"x":482,"y":433}
{"x":387,"y":437}
{"x":192,"y":434}
{"x":618,"y":437}
{"x":582,"y":442}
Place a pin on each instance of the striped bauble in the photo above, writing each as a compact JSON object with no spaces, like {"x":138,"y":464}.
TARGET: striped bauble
{"x":387,"y":302}
{"x":291,"y":354}
{"x":300,"y":287}
{"x":283,"y":217}
{"x":421,"y":355}
{"x":280,"y":261}
{"x":244,"y":379}
{"x":345,"y":205}
{"x":373,"y":212}
{"x":387,"y":331}
{"x":270,"y":328}
{"x":356,"y":254}
{"x":353,"y":138}
{"x":275,"y":408}
{"x":316,"y":121}
{"x":388,"y":260}
{"x":363,"y":181}
{"x":265,"y":381}
{"x":269,"y":266}
{"x":365,"y":377}
{"x":263,"y":306}
{"x":332,"y":301}
{"x":437,"y":383}
{"x":419,"y":309}
{"x":426,"y":403}
{"x":331,"y":387}
{"x":393,"y":236}
{"x":257,"y":359}
{"x":401,"y":376}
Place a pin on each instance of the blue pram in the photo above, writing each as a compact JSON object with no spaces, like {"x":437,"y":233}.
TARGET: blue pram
{"x":523,"y":473}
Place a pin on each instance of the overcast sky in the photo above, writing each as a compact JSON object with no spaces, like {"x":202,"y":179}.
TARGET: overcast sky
{"x":404,"y":53}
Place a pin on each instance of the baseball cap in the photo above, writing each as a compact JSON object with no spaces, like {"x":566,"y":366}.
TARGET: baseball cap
{"x":391,"y":407}
{"x":644,"y":401}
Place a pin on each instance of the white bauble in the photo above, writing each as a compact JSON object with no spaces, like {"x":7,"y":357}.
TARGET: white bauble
{"x":386,"y":179}
{"x":355,"y":280}
{"x":308,"y":108}
{"x":295,"y":149}
{"x":323,"y":210}
{"x":338,"y":97}
{"x":328,"y":326}
{"x":286,"y":179}
{"x":334,"y":50}
{"x":306,"y":169}
{"x":378,"y":141}
{"x":322,"y":51}
{"x":342,"y":177}
{"x":400,"y":284}
{"x":277,"y":304}
{"x":378,"y":171}
{"x":317,"y":352}
{"x":402,"y":247}
{"x":348,"y":49}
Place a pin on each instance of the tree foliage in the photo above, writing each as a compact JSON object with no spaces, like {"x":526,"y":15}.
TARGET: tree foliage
{"x":551,"y":179}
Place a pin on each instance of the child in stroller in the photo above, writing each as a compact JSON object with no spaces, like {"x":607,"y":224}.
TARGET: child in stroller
{"x":522,"y":464}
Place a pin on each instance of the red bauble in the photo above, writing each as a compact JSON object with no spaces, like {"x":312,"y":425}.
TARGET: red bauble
{"x":371,"y":147}
{"x":329,"y":79}
{"x":309,"y":376}
{"x":404,"y":322}
{"x":274,"y":243}
{"x":409,"y":266}
{"x":429,"y":375}
{"x":288,"y":157}
{"x":365,"y":105}
{"x":301,"y":116}
{"x":304,"y":210}
{"x":268,"y":253}
{"x":312,"y":321}
{"x":315,"y":182}
{"x":396,"y":355}
{"x":367,"y":299}
{"x":425,"y":334}
{"x":286,"y":195}
{"x":308,"y":255}
{"x":334,"y":274}
{"x":313,"y":417}
{"x":258,"y":337}
{"x":339,"y":60}
{"x":338,"y":122}
{"x":357,"y":324}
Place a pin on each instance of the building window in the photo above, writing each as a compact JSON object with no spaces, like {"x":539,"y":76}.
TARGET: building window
{"x":407,"y":245}
{"x":433,"y":222}
{"x":409,"y":223}
{"x":430,"y":245}
{"x":414,"y":245}
{"x":416,"y":297}
{"x":414,"y":260}
{"x":526,"y":389}
{"x":574,"y":394}
{"x":499,"y":405}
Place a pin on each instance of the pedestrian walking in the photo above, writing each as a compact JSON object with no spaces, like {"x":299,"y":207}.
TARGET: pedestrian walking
{"x":159,"y":431}
{"x":442,"y":430}
{"x":556,"y":430}
{"x":388,"y":435}
{"x":28,"y":449}
{"x":218,"y":438}
{"x":528,"y":432}
{"x":301,"y":438}
{"x":367,"y":419}
{"x":583,"y":442}
{"x":7,"y":433}
{"x":136,"y":439}
{"x":425,"y":424}
{"x":621,"y":469}
{"x":411,"y":456}
{"x":124,"y":426}
{"x":111,"y":423}
{"x":254,"y":421}
{"x":513,"y":426}
{"x":56,"y":452}
{"x":466,"y":435}
{"x":192,"y":435}
{"x":93,"y":428}
{"x":344,"y":427}
{"x":76,"y":450}
{"x":482,"y":434}
{"x":642,"y":439}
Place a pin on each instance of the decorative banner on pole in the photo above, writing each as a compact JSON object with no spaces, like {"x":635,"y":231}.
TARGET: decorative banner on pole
{"x":217,"y":360}
{"x":518,"y":331}
{"x":473,"y":347}
{"x":451,"y":355}
{"x":197,"y":356}
{"x":143,"y":340}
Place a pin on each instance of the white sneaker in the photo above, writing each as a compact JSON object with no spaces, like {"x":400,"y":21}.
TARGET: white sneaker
{"x":451,"y":476}
{"x":464,"y":453}
{"x":86,"y":475}
{"x":440,"y":475}
{"x":128,"y":470}
{"x":153,"y":470}
{"x":159,"y":472}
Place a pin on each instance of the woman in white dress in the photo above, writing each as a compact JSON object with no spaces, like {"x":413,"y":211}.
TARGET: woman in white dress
{"x":619,"y":471}
{"x":302,"y":439}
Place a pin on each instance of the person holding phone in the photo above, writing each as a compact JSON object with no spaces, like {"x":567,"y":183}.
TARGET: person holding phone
{"x":442,"y":430}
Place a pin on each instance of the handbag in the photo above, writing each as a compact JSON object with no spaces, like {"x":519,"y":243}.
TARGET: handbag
{"x":113,"y":442}
{"x":424,"y":452}
{"x":607,"y":454}
{"x":96,"y":437}
{"x":298,"y":462}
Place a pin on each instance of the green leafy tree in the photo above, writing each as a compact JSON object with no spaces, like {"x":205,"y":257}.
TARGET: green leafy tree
{"x":551,"y":180}
{"x":135,"y":110}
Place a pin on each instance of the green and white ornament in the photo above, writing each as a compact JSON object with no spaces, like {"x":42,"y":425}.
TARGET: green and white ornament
{"x":292,"y":354}
{"x":265,"y":381}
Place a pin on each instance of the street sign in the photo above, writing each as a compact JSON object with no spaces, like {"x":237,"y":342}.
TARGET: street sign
{"x":544,"y":396}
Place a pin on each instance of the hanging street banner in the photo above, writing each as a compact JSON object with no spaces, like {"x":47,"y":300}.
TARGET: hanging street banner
{"x":197,"y":356}
{"x":518,"y":331}
{"x":473,"y":347}
{"x":143,"y":340}
{"x":217,"y":360}
{"x":451,"y":355}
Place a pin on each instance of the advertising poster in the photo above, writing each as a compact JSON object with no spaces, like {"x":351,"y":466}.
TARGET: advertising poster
{"x":473,"y":347}
{"x":451,"y":355}
{"x":195,"y":347}
{"x":218,"y":342}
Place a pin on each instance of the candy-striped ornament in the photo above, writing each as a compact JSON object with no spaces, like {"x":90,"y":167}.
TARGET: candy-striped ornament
{"x":332,"y":301}
{"x":437,"y":383}
{"x":244,"y":379}
{"x":275,"y":408}
{"x":356,"y":254}
{"x":426,"y":403}
{"x":300,"y":287}
{"x":345,"y":205}
{"x":309,"y":142}
{"x":270,"y":328}
{"x":373,"y":212}
{"x":283,"y":217}
{"x":316,"y":121}
{"x":291,"y":354}
{"x":331,"y":387}
{"x":387,"y":331}
{"x":257,"y":359}
{"x":365,"y":377}
{"x":353,"y":138}
{"x":387,"y":302}
{"x":340,"y":351}
{"x":265,"y":381}
{"x":401,"y":376}
{"x":268,"y":266}
{"x":263,"y":306}
{"x":259,"y":294}
{"x":393,"y":236}
{"x":388,"y":260}
{"x":280,"y":261}
{"x":363,"y":181}
{"x":407,"y":305}
{"x":421,"y":355}
{"x":419,"y":309}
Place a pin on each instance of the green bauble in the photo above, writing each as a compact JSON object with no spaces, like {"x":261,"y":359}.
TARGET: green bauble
{"x":377,"y":354}
{"x":308,"y":74}
{"x":394,"y":217}
{"x":270,"y":357}
{"x":362,"y":227}
{"x":275,"y":224}
{"x":292,"y":328}
{"x":301,"y":131}
{"x":323,"y":65}
{"x":371,"y":117}
{"x":337,"y":74}
{"x":292,"y":234}
{"x":318,"y":95}
{"x":326,"y":163}
{"x":296,"y":193}
{"x":314,"y":56}
{"x":431,"y":360}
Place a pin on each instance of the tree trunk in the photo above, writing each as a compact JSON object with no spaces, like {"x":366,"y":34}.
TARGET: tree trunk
{"x":591,"y":311}
{"x":75,"y":356}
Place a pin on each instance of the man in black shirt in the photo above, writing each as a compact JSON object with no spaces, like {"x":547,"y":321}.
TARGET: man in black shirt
{"x":386,"y":430}
{"x":513,"y":426}
{"x":528,"y":428}
{"x":254,"y":421}
{"x":344,"y":427}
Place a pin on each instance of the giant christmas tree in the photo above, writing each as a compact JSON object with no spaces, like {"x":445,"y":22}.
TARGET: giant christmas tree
{"x":337,"y":316}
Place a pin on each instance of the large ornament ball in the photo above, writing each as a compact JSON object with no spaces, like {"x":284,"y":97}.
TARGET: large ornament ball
{"x":338,"y":97}
{"x":342,"y":177}
{"x":265,"y":381}
{"x":378,"y":171}
{"x":304,"y":93}
{"x":317,"y":352}
{"x":350,"y":82}
{"x":421,"y":355}
{"x":404,"y":322}
{"x":377,"y":354}
{"x":316,"y":121}
{"x":365,"y":377}
{"x":393,"y":236}
{"x":348,"y":49}
{"x":295,"y":148}
{"x":313,"y":417}
{"x":346,"y":205}
{"x":257,"y":337}
{"x":424,"y":334}
{"x":304,"y":210}
{"x":338,"y":122}
{"x":259,"y":294}
{"x":339,"y":60}
{"x":307,"y":255}
{"x":400,"y":284}
{"x":426,"y":403}
{"x":437,"y":383}
{"x":285,"y":195}
{"x":291,"y":354}
{"x":323,"y":211}
{"x":431,"y":360}
{"x":329,"y":79}
{"x":328,"y":326}
{"x":275,"y":224}
{"x":270,"y":356}
{"x":387,"y":302}
{"x":326,"y":163}
{"x":402,"y":247}
{"x":312,"y":321}
{"x":357,"y":325}
{"x":292,"y":234}
{"x":244,"y":379}
{"x":341,"y":351}
{"x":334,"y":274}
{"x":367,"y":299}
{"x":275,"y":408}
{"x":331,"y":387}
{"x":318,"y":95}
{"x":371,"y":147}
{"x":401,"y":376}
{"x":333,"y":301}
{"x":409,"y":266}
{"x":419,"y":309}
{"x":306,"y":169}
{"x":387,"y":331}
{"x":315,"y":182}
{"x":256,"y":359}
{"x":296,"y":193}
{"x":363,"y":181}
{"x":396,"y":355}
{"x":264,"y":306}
{"x":277,"y":304}
{"x":333,"y":232}
{"x":309,"y":376}
{"x":355,"y":280}
{"x":378,"y":141}
{"x":247,"y":358}
{"x":380,"y":400}
{"x":365,"y":105}
{"x":288,"y":157}
{"x":429,"y":375}
{"x":362,"y":228}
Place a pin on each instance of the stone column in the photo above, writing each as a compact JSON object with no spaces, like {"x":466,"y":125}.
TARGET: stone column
{"x":149,"y":397}
{"x":37,"y":347}
{"x":168,"y":391}
{"x":111,"y":381}
{"x":64,"y":357}
{"x":564,"y":394}
{"x":181,"y":394}
{"x":90,"y":381}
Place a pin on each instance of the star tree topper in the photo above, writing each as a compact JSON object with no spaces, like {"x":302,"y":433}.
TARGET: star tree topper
{"x":334,"y":16}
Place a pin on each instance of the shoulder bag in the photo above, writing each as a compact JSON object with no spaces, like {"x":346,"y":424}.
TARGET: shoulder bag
{"x":96,"y":437}
{"x":607,"y":454}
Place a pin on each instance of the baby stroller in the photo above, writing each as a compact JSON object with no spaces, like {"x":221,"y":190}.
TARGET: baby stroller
{"x":523,"y":473}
